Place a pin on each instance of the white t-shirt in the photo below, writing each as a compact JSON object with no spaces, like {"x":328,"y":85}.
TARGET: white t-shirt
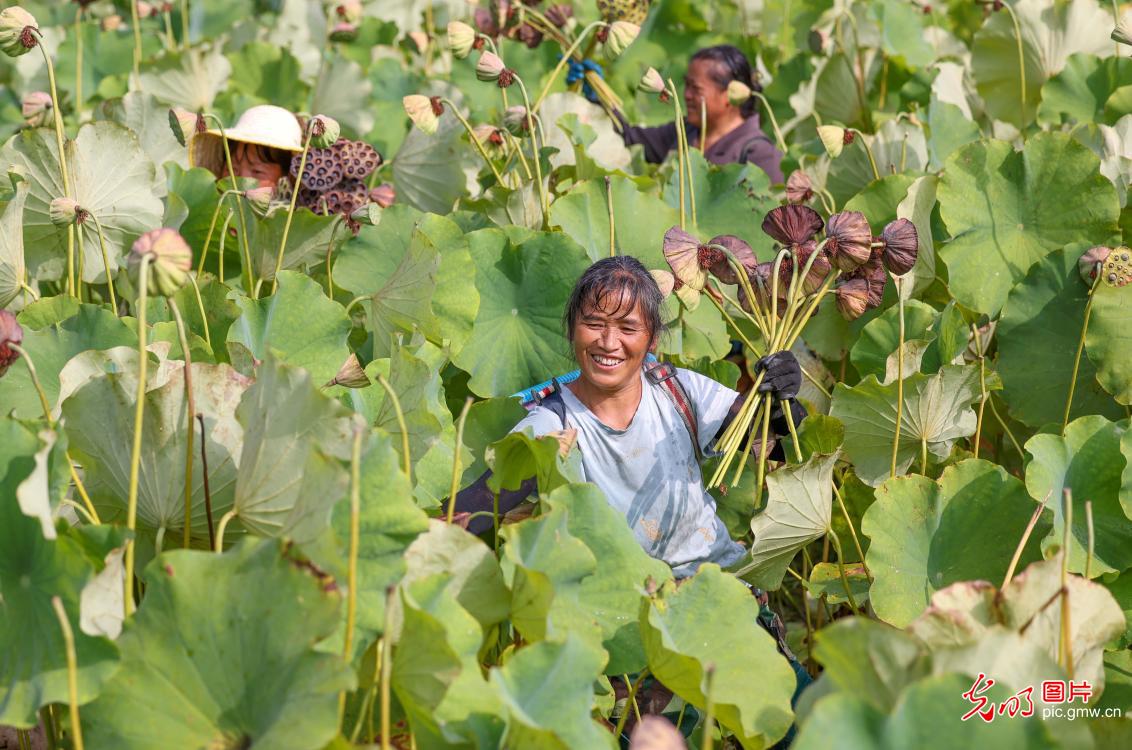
{"x":649,"y":473}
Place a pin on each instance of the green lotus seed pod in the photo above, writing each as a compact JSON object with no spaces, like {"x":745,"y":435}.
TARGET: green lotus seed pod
{"x":170,"y":259}
{"x":324,"y":131}
{"x":66,"y":211}
{"x":17,"y":31}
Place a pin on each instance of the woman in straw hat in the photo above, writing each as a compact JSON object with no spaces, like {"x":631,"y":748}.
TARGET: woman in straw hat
{"x":262,"y":142}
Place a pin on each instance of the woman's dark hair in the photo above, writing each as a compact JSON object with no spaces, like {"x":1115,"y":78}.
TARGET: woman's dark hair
{"x":621,"y":280}
{"x":732,"y":65}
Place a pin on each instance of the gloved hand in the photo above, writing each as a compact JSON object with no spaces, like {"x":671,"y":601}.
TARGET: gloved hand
{"x":576,"y":71}
{"x":783,"y":375}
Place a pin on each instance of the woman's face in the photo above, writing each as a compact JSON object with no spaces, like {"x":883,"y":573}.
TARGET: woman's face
{"x":248,"y":160}
{"x":610,"y":344}
{"x":700,"y":84}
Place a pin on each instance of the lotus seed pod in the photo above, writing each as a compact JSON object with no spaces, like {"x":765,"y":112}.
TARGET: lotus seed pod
{"x":111,"y":23}
{"x":66,"y":211}
{"x":665,"y":281}
{"x":343,"y":32}
{"x":350,"y":11}
{"x":654,"y":732}
{"x":850,"y":239}
{"x":515,"y":121}
{"x":833,"y":138}
{"x":420,"y":40}
{"x":260,"y":199}
{"x":324,"y":131}
{"x":284,"y":189}
{"x":682,"y":251}
{"x":621,"y":35}
{"x":634,"y":11}
{"x":1117,"y":268}
{"x":359,"y":160}
{"x":489,"y":67}
{"x":424,"y":112}
{"x":1088,"y":263}
{"x":461,"y":39}
{"x":350,"y":375}
{"x":738,"y":93}
{"x":799,"y":188}
{"x":852,"y":298}
{"x":146,"y":10}
{"x":1123,"y":31}
{"x":184,"y":124}
{"x":901,"y":245}
{"x":651,"y":82}
{"x":35,"y":108}
{"x":17,"y":31}
{"x":170,"y":259}
{"x":560,"y":14}
{"x":10,"y":333}
{"x":383,"y":195}
{"x":717,"y":263}
{"x":819,"y":269}
{"x":792,"y":225}
{"x":818,"y":41}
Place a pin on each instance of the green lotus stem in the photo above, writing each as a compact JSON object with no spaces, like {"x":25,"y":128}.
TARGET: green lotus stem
{"x":290,"y":213}
{"x":159,"y":540}
{"x":79,"y":63}
{"x":1021,"y":56}
{"x":832,"y":536}
{"x":518,"y":149}
{"x":709,"y":708}
{"x":679,"y":151}
{"x":1080,"y":349}
{"x":135,"y":24}
{"x":224,"y":519}
{"x":632,"y":699}
{"x":730,"y":321}
{"x":982,"y":387}
{"x":208,"y":236}
{"x":354,"y":301}
{"x":406,"y":460}
{"x":1006,"y":429}
{"x":355,"y":541}
{"x":22,"y":737}
{"x":185,"y":24}
{"x":1065,"y":641}
{"x":64,"y":173}
{"x":789,"y":413}
{"x":868,"y":152}
{"x":454,"y":486}
{"x":170,"y":40}
{"x":220,"y":245}
{"x":682,"y":131}
{"x":200,"y":308}
{"x":899,"y":377}
{"x":79,"y":509}
{"x":816,"y":383}
{"x":859,"y":73}
{"x":773,"y":121}
{"x":204,"y":482}
{"x":475,"y":141}
{"x":1092,"y":536}
{"x":139,"y":423}
{"x":81,"y":263}
{"x":763,"y":439}
{"x":105,"y":262}
{"x":386,"y":667}
{"x":800,"y":324}
{"x":1022,"y":542}
{"x":536,"y":150}
{"x":755,"y":315}
{"x":703,"y":126}
{"x":46,"y":406}
{"x":365,"y":713}
{"x":329,"y":249}
{"x":609,"y":210}
{"x":190,"y":413}
{"x":239,"y":205}
{"x":566,"y":57}
{"x":852,"y":529}
{"x":924,"y":455}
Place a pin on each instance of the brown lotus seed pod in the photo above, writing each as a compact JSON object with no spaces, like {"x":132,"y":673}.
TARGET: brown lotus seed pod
{"x":10,"y":333}
{"x":849,"y":239}
{"x":852,"y":298}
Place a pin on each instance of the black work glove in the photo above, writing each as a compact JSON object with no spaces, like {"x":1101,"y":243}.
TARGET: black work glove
{"x":783,"y":375}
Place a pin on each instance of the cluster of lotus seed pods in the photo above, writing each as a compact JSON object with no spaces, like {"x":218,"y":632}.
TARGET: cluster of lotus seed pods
{"x":333,"y":180}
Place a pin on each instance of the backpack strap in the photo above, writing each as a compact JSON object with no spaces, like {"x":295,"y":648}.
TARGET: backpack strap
{"x":663,"y":376}
{"x":551,"y":398}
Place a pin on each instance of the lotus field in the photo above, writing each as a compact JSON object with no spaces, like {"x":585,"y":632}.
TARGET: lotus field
{"x":234,"y":409}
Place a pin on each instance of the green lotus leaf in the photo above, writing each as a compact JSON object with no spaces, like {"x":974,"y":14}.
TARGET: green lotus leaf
{"x":298,"y":323}
{"x":476,"y":579}
{"x":1051,"y":32}
{"x":1126,"y":477}
{"x":519,"y":456}
{"x":13,"y":270}
{"x":870,"y":659}
{"x":694,"y":334}
{"x":640,"y":219}
{"x":189,"y":79}
{"x":1109,"y":342}
{"x":244,"y":674}
{"x":33,"y":569}
{"x":682,"y":645}
{"x":577,"y":125}
{"x":835,"y":97}
{"x":268,"y":74}
{"x":547,"y":689}
{"x":798,"y":509}
{"x":927,"y":535}
{"x":517,"y":339}
{"x":488,"y":421}
{"x":340,"y":86}
{"x":1006,"y":210}
{"x":902,"y":32}
{"x":41,"y":493}
{"x":1117,"y":680}
{"x":825,"y":580}
{"x":149,"y":120}
{"x":1079,"y":92}
{"x":290,"y":469}
{"x":881,"y":336}
{"x":951,"y":128}
{"x":219,"y":314}
{"x":900,"y":150}
{"x":110,"y":176}
{"x":917,"y":206}
{"x":726,"y":198}
{"x":1045,"y":313}
{"x":47,"y":311}
{"x":52,"y":347}
{"x":197,"y":190}
{"x":937,"y":411}
{"x":505,"y":207}
{"x":1087,"y":461}
{"x":307,"y":242}
{"x":429,"y":170}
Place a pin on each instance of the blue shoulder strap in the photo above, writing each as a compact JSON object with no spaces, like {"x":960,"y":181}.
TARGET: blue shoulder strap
{"x":531,"y":397}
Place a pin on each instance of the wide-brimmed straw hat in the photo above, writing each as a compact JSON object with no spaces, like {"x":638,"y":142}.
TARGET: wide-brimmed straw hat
{"x":263,"y":125}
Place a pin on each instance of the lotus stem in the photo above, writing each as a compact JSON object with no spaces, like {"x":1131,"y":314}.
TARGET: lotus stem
{"x":1080,"y":349}
{"x":982,"y":387}
{"x":454,"y":487}
{"x":832,"y":536}
{"x":60,"y":138}
{"x":789,"y":413}
{"x":1006,"y":429}
{"x":868,"y":152}
{"x":50,"y":728}
{"x":224,"y":519}
{"x":211,"y":227}
{"x":566,"y":56}
{"x":852,"y":529}
{"x":816,"y":383}
{"x":731,"y":321}
{"x":1092,"y":536}
{"x":200,"y":307}
{"x":185,"y":24}
{"x":899,"y":377}
{"x":773,"y":121}
{"x":170,"y":40}
{"x":139,"y":424}
{"x":763,"y":440}
{"x":1021,"y":57}
{"x":632,"y":699}
{"x":159,"y":540}
{"x":495,"y":523}
{"x":239,"y":205}
{"x":204,"y":476}
{"x":683,"y":132}
{"x":290,"y":213}
{"x":924,"y":455}
{"x":709,"y":708}
{"x":105,"y":261}
{"x":190,"y":410}
{"x":79,"y":13}
{"x":536,"y":149}
{"x":1022,"y":543}
{"x":703,"y":127}
{"x":135,"y":24}
{"x":329,"y":265}
{"x":386,"y":666}
{"x":220,"y":245}
{"x":22,"y":737}
{"x":81,"y":263}
{"x":1066,"y":640}
{"x":612,"y":221}
{"x":679,"y":151}
{"x":475,"y":141}
{"x":355,"y":541}
{"x":406,"y":460}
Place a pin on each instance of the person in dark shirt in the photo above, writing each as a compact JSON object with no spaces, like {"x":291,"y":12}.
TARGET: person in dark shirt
{"x":733,"y":132}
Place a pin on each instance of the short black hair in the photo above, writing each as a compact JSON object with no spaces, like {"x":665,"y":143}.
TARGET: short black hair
{"x":733,"y":66}
{"x":621,"y":275}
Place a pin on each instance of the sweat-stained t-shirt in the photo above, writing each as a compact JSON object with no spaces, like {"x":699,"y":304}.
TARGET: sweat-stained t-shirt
{"x":648,"y":471}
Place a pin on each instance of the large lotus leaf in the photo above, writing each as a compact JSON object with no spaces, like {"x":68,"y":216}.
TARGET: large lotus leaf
{"x":290,"y":470}
{"x":639,"y":218}
{"x":477,"y":581}
{"x":870,"y":659}
{"x":682,"y":643}
{"x":33,"y":569}
{"x":520,"y":456}
{"x":1126,"y":484}
{"x":926,"y":535}
{"x":110,"y":176}
{"x":40,"y":495}
{"x":881,"y":336}
{"x":1113,"y":147}
{"x":149,"y":119}
{"x":1006,"y":210}
{"x":1051,"y":32}
{"x":937,"y":410}
{"x":898,"y":147}
{"x":547,"y":689}
{"x":693,"y":334}
{"x":902,"y":32}
{"x":603,"y":144}
{"x":189,"y":79}
{"x":1044,"y":313}
{"x":218,"y":310}
{"x":269,"y":74}
{"x":1079,"y":92}
{"x":612,"y":595}
{"x":51,"y":347}
{"x":222,"y":654}
{"x":488,"y":421}
{"x":13,"y":270}
{"x":835,"y":97}
{"x":517,"y":340}
{"x":917,"y":207}
{"x":1088,"y":461}
{"x":727,"y":199}
{"x":429,"y":170}
{"x":950,"y":128}
{"x":307,"y":242}
{"x":338,"y":90}
{"x":798,"y":509}
{"x":436,"y":673}
{"x":298,"y":323}
{"x":1109,"y":342}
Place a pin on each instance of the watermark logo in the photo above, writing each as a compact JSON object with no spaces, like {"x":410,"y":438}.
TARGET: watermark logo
{"x":1057,"y":695}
